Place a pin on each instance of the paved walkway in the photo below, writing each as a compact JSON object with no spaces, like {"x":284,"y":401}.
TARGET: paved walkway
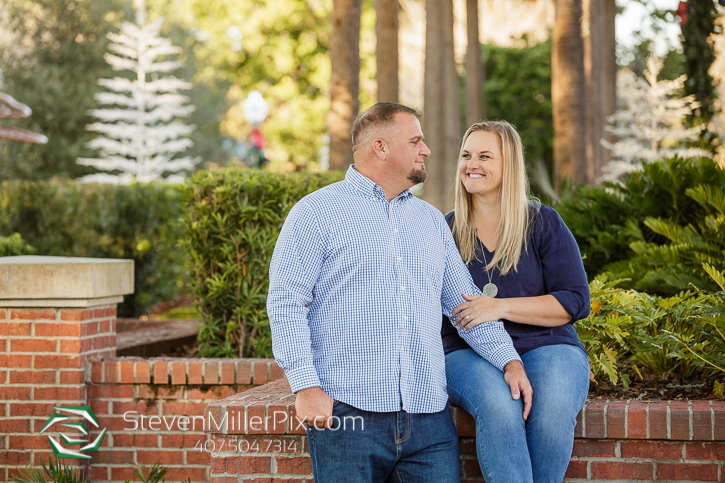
{"x":132,"y":332}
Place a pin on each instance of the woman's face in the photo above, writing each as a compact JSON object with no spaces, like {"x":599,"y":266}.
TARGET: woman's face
{"x":481,"y":164}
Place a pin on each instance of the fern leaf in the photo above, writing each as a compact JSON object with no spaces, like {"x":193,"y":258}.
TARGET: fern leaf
{"x":718,"y":277}
{"x":666,"y":228}
{"x":718,"y":389}
{"x":706,"y":194}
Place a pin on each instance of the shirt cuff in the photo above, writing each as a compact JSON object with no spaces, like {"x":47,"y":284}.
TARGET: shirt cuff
{"x":302,"y":378}
{"x":501,"y":354}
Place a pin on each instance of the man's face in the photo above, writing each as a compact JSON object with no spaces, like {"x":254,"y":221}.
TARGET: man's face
{"x":407,"y":150}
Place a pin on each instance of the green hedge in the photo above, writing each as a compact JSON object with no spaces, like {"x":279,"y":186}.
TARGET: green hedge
{"x":14,"y":245}
{"x":139,"y":221}
{"x":232,"y":224}
{"x":655,"y":229}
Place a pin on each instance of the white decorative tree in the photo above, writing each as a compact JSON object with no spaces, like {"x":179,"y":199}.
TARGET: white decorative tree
{"x":142,"y":133}
{"x":650,"y":124}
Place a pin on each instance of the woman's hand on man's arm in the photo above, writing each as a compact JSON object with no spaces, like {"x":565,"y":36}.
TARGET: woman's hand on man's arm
{"x":544,"y":311}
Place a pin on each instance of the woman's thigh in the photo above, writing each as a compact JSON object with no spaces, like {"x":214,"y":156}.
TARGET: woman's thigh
{"x":479,"y":387}
{"x":559,"y":375}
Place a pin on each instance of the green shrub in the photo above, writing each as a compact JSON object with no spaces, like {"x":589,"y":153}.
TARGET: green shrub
{"x":232,"y":224}
{"x":57,"y":472}
{"x":61,"y":472}
{"x":156,"y":474}
{"x":615,"y":223}
{"x":138,"y":221}
{"x":14,"y":245}
{"x":680,"y":334}
{"x":678,"y":264}
{"x":605,"y":333}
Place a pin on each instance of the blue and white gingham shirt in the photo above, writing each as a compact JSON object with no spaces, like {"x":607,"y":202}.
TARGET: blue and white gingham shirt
{"x":356,"y":289}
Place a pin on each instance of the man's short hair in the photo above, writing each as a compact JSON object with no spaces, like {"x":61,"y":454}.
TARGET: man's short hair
{"x":381,"y":114}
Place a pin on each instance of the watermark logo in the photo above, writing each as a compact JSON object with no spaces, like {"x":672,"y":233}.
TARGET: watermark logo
{"x":81,"y":411}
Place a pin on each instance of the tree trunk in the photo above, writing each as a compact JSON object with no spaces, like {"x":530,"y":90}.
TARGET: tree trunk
{"x":610,"y":72}
{"x":386,"y":29}
{"x":594,"y":58}
{"x":568,"y":93}
{"x":441,"y":123}
{"x":600,"y":67}
{"x":699,"y":54}
{"x":474,"y":68}
{"x":344,"y":80}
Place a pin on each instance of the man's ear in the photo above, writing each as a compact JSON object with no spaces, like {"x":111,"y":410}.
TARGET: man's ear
{"x":381,"y":149}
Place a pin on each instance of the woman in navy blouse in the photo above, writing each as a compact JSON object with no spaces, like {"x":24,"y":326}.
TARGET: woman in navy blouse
{"x":523,"y":256}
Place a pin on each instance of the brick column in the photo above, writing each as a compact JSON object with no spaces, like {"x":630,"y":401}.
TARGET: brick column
{"x":56,"y":314}
{"x":257,"y":438}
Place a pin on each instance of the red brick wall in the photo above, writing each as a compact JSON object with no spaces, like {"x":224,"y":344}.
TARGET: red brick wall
{"x":626,"y":460}
{"x":52,"y":357}
{"x":616,"y":441}
{"x":165,"y":389}
{"x":43,"y":355}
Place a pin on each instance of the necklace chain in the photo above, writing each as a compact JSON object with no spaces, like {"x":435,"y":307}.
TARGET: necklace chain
{"x":488,"y":272}
{"x":490,"y":288}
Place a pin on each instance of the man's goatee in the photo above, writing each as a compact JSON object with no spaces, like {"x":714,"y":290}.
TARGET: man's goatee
{"x":418,"y":176}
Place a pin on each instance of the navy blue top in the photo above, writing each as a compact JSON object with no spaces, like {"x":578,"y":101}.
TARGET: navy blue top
{"x":552,"y":265}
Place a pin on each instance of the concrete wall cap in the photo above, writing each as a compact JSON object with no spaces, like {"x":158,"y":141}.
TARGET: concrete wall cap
{"x":41,"y":277}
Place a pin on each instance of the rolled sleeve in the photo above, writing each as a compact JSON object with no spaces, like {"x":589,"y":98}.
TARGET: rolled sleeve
{"x":563,"y":268}
{"x":293,"y":272}
{"x":573,"y":304}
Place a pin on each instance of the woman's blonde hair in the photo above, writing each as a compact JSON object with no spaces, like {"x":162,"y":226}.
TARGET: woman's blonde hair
{"x":511,"y":234}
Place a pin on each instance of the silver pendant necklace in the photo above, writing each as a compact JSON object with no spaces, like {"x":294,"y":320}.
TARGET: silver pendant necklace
{"x":490,"y":288}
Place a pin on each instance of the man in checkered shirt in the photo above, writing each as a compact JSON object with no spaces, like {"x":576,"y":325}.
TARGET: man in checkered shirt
{"x":360,"y":275}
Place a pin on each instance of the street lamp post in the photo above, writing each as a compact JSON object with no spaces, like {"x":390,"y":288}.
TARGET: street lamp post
{"x":255,"y":111}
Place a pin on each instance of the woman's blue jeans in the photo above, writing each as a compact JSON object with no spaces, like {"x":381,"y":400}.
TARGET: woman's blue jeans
{"x":509,"y":448}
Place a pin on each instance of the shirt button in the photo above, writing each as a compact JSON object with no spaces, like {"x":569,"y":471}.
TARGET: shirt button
{"x":400,"y":258}
{"x":405,"y":317}
{"x":395,"y":230}
{"x":402,"y":288}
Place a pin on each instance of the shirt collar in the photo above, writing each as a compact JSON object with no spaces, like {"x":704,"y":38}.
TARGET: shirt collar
{"x":367,"y":187}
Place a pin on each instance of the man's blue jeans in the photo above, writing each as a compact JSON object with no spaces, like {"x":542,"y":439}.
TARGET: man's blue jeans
{"x":509,"y":448}
{"x":399,"y":447}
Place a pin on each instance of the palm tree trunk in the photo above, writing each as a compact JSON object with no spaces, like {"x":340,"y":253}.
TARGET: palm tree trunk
{"x":594,"y":54}
{"x":610,"y":71}
{"x":474,"y":68}
{"x":600,"y":68}
{"x":442,"y":124}
{"x":344,"y":80}
{"x":386,"y":29}
{"x":568,"y":93}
